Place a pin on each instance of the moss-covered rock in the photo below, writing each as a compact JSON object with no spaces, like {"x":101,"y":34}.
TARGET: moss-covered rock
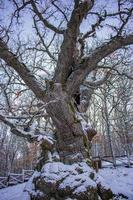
{"x":61,"y":181}
{"x":104,"y":193}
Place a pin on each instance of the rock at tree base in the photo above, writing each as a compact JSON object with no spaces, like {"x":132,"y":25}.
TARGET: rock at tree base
{"x":59,"y":181}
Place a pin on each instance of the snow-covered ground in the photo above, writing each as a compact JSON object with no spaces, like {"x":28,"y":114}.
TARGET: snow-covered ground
{"x":120,"y":180}
{"x":14,"y":193}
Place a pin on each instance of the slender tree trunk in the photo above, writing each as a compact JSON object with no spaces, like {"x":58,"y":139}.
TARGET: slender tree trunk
{"x":109,"y":134}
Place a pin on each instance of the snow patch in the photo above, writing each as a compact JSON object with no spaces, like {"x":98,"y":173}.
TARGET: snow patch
{"x":14,"y":193}
{"x":85,"y":125}
{"x":119,"y":180}
{"x":74,"y":176}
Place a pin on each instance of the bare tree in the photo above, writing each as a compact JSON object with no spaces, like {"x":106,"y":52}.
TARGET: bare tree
{"x":62,"y":94}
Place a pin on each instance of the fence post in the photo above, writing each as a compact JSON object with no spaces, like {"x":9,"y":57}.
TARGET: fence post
{"x":23,"y":174}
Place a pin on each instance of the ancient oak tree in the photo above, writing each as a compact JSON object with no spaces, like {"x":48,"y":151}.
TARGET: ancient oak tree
{"x":76,"y":39}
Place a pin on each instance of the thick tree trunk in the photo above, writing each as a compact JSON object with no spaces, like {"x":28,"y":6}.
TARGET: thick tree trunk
{"x":70,"y":176}
{"x":69,"y":131}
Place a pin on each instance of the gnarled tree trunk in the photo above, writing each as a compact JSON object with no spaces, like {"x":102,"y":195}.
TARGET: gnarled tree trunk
{"x":69,"y":132}
{"x":70,"y":176}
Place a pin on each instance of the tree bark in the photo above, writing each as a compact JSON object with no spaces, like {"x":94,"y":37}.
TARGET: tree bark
{"x":69,"y":132}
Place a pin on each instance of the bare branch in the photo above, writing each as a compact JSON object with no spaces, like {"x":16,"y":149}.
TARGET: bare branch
{"x":18,"y":9}
{"x":22,"y":70}
{"x":117,"y":71}
{"x":93,"y":27}
{"x":68,"y":47}
{"x":45,"y":22}
{"x":60,"y":10}
{"x":17,"y":131}
{"x":42,"y":41}
{"x":89,"y":63}
{"x":100,"y":82}
{"x":125,"y":22}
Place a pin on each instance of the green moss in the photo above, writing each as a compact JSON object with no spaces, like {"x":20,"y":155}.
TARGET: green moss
{"x":91,"y":175}
{"x":71,"y":107}
{"x":76,"y":120}
{"x":51,"y":85}
{"x":85,"y":140}
{"x":89,"y":162}
{"x":40,"y":164}
{"x":105,"y":194}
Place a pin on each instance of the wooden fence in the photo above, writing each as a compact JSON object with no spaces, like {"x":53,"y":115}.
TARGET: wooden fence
{"x":120,"y":161}
{"x":3,"y":182}
{"x":13,"y":179}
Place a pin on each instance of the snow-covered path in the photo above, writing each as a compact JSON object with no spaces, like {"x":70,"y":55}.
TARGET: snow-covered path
{"x":14,"y":193}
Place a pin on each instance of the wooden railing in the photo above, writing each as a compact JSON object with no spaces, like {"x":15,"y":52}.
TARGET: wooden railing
{"x":98,"y":161}
{"x":27,"y":174}
{"x":13,"y":179}
{"x":3,"y":182}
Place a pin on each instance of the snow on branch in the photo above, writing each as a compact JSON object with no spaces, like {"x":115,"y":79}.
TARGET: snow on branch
{"x":30,"y":136}
{"x":88,"y":129}
{"x":99,"y":82}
